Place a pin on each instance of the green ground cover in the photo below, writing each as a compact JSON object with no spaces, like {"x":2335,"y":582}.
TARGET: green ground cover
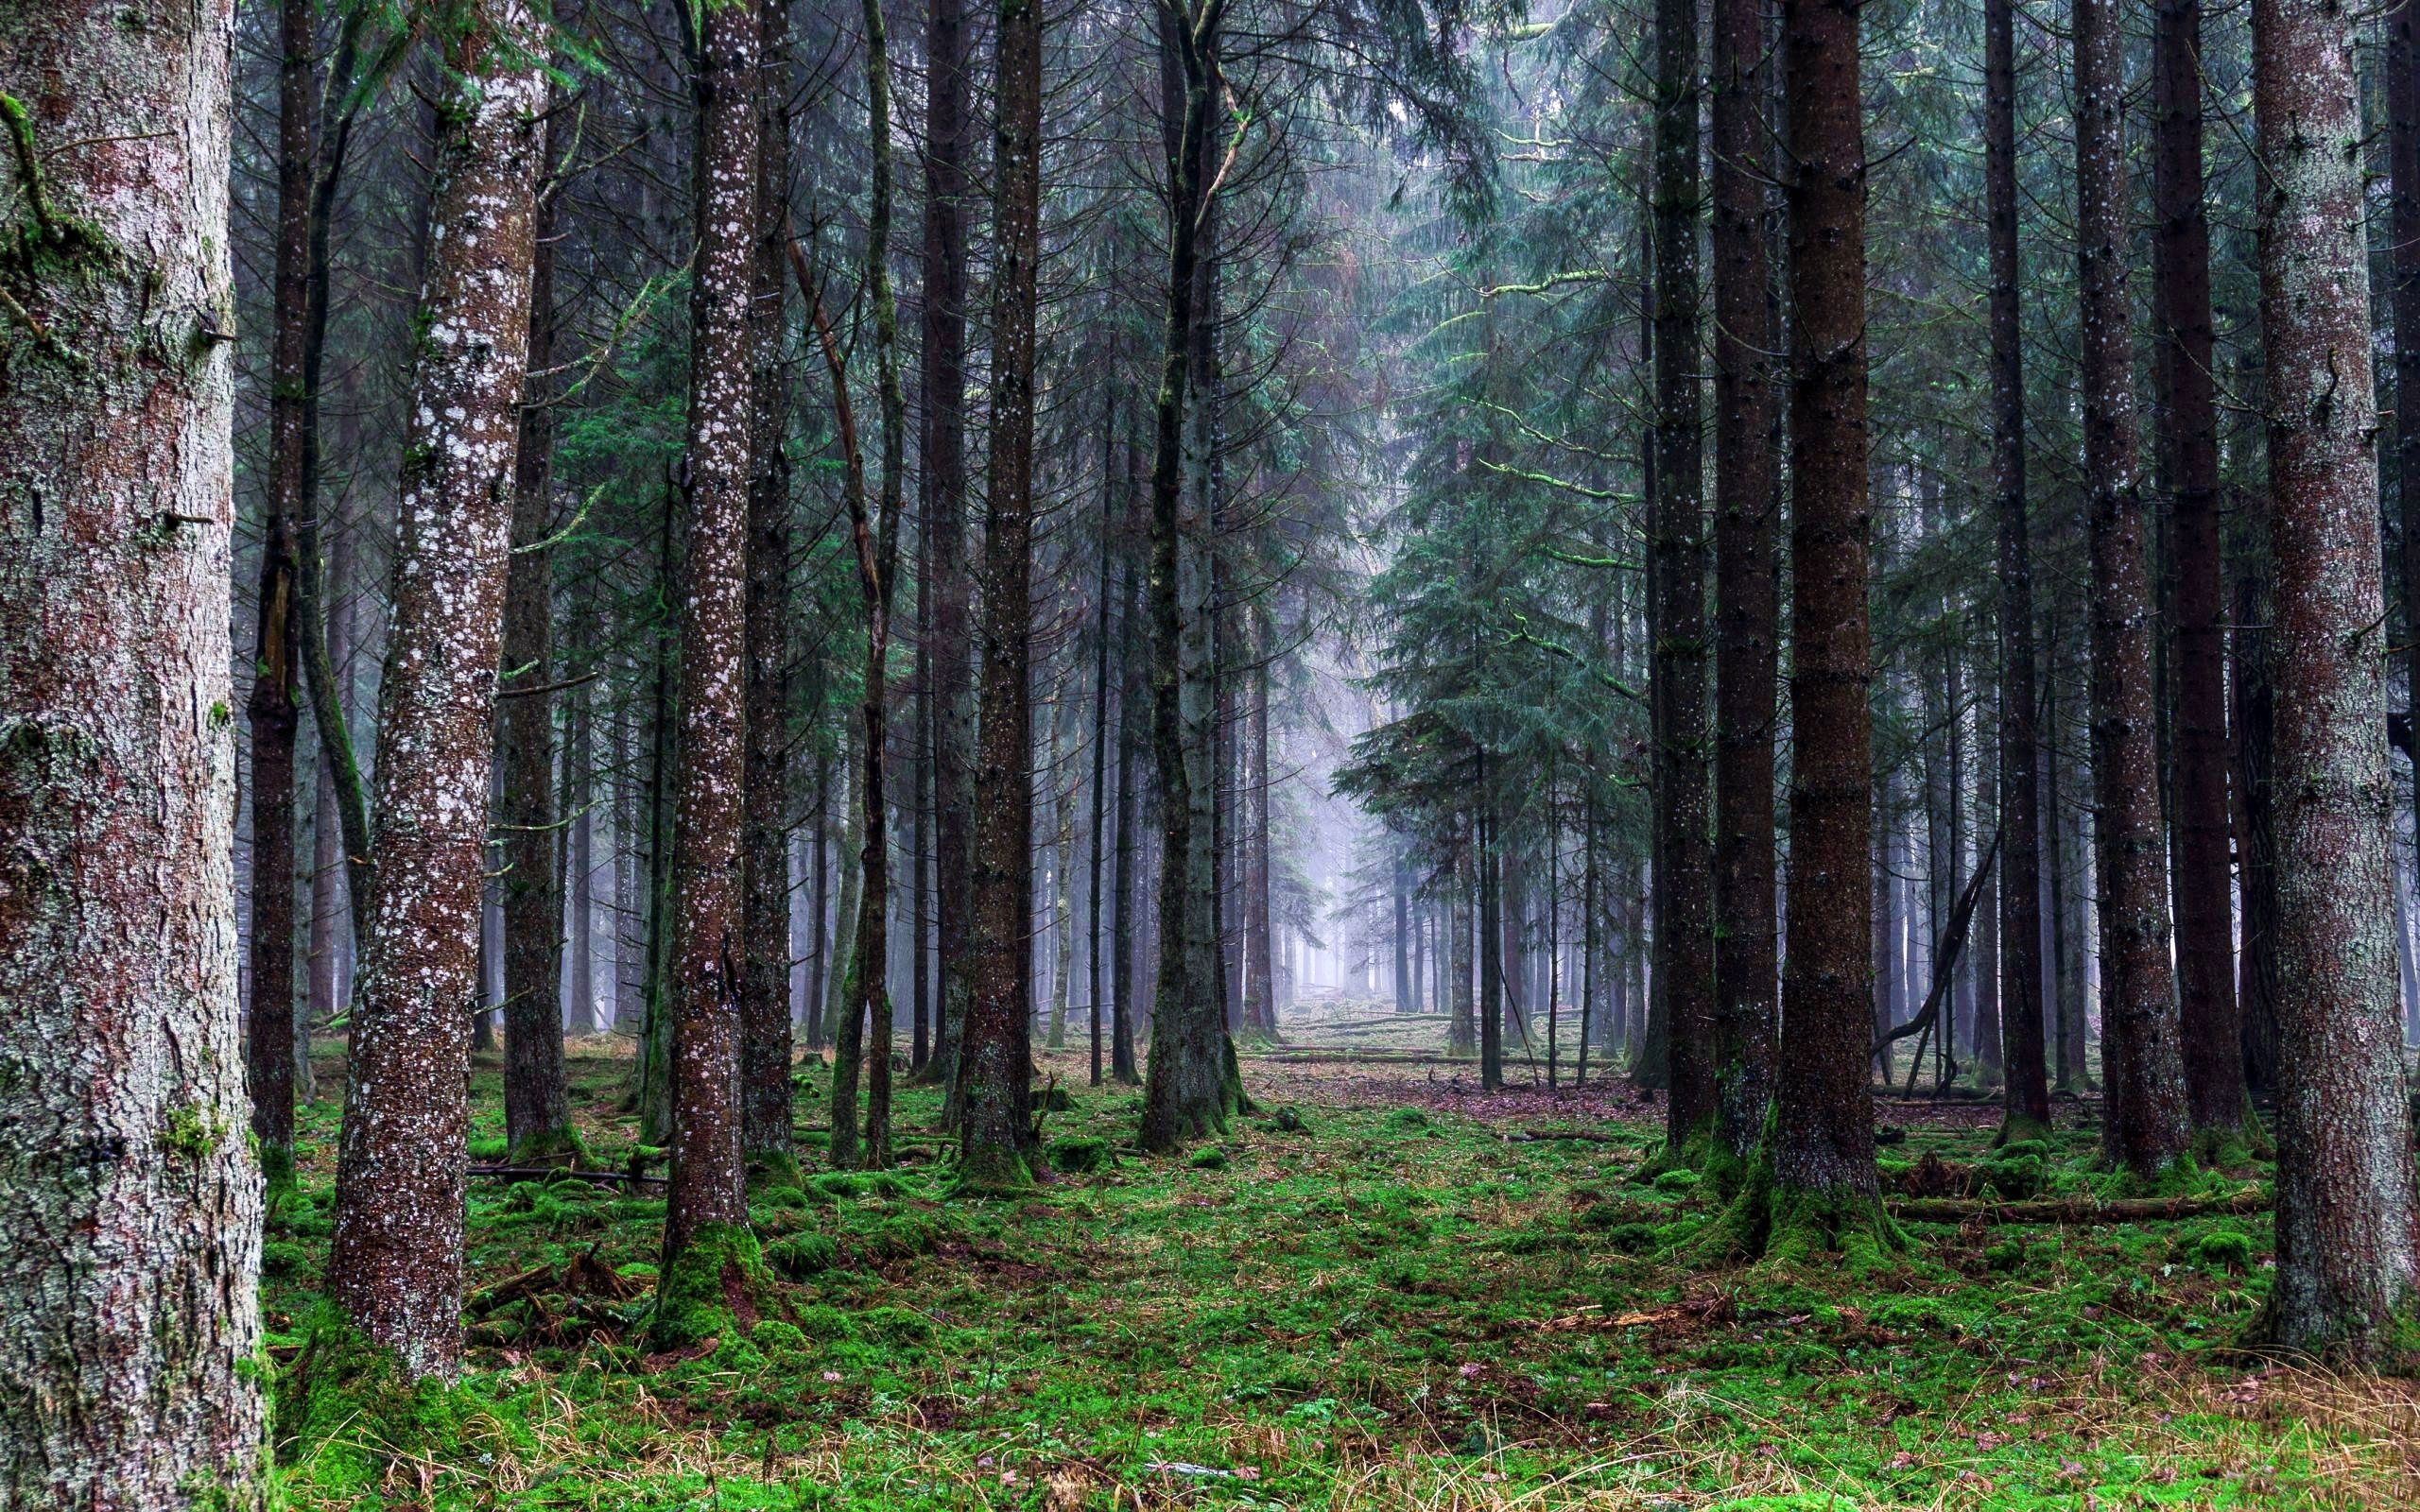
{"x":1390,"y":1303}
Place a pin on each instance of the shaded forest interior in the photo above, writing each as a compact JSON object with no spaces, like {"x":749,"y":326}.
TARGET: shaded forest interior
{"x":1653,"y":753}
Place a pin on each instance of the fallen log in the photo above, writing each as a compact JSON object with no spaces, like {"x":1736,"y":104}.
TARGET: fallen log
{"x":2076,"y":1210}
{"x":545,"y":1172}
{"x":1526,"y":1135}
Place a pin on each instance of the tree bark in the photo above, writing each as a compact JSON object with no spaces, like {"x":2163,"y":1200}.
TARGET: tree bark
{"x":2346,"y":1258}
{"x":2201,"y":862}
{"x":129,"y":1271}
{"x":2402,"y":69}
{"x":2028,"y":1093}
{"x":995,"y":1070}
{"x":1683,"y":803}
{"x":537,"y":1107}
{"x":765,"y":1029}
{"x":941,"y":475}
{"x":706,"y":1247}
{"x":2145,"y":1121}
{"x":395,"y":1264}
{"x":1823,"y":1173}
{"x":1747,"y":596}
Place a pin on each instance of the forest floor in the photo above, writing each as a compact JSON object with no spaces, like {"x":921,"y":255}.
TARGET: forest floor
{"x":1379,"y":1291}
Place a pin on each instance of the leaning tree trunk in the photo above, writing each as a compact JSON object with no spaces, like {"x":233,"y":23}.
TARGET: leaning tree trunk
{"x":395,"y":1266}
{"x":996,"y":1055}
{"x":765,"y":1030}
{"x":2144,"y":1124}
{"x":1747,"y":507}
{"x":129,"y":1275}
{"x":709,"y":1255}
{"x":1822,"y":1186}
{"x":2202,"y":863}
{"x":537,"y":1106}
{"x":2346,"y":1258}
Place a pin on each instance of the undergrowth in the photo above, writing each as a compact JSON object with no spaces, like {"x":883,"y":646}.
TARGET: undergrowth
{"x":1347,"y":1306}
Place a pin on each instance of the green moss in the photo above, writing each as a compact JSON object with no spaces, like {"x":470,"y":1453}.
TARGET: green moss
{"x":708,"y":1287}
{"x":801,"y":1256}
{"x":1208,"y":1158}
{"x":347,"y":1410}
{"x":1079,"y":1153}
{"x":549,"y":1147}
{"x":1407,"y":1121}
{"x":992,"y":1170}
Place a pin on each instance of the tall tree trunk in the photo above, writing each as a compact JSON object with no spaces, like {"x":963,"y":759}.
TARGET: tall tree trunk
{"x":765,"y":1030}
{"x":2027,"y":1104}
{"x":2348,"y":1247}
{"x":1461,"y":1037}
{"x":1824,"y":1188}
{"x":1191,"y":1086}
{"x":995,"y":1069}
{"x":1683,"y":822}
{"x":709,"y":1255}
{"x":537,"y":1106}
{"x":2145,"y":1127}
{"x":2256,"y":985}
{"x":941,"y":475}
{"x":2201,"y":862}
{"x":1260,"y":981}
{"x":1491,"y":944}
{"x":129,"y":1273}
{"x":1100,"y":735}
{"x":1132,"y":707}
{"x":276,"y":645}
{"x":2402,"y":69}
{"x":395,"y":1264}
{"x":1747,"y":488}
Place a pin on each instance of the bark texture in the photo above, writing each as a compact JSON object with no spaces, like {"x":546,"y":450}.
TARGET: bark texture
{"x":2201,"y":864}
{"x":996,"y":1057}
{"x":1824,"y":1147}
{"x":2347,"y":1259}
{"x":395,"y":1266}
{"x":2144,"y":1114}
{"x":1747,"y":596}
{"x":706,"y":1197}
{"x":130,"y":1268}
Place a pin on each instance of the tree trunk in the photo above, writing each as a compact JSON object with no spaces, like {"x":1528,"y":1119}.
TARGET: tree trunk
{"x":395,"y":1264}
{"x":1260,"y":982}
{"x":2145,"y":1128}
{"x":1824,"y":1178}
{"x":2402,"y":69}
{"x":1100,"y":737}
{"x":1132,"y":701}
{"x":2028,"y":1099}
{"x":537,"y":1109}
{"x":129,"y":1273}
{"x":941,"y":475}
{"x":1682,"y":821}
{"x":1746,"y":509}
{"x":995,"y":1069}
{"x":276,"y":641}
{"x":1190,"y":1088}
{"x":2347,"y":1261}
{"x":708,"y":1253}
{"x":2201,"y":864}
{"x":765,"y":1030}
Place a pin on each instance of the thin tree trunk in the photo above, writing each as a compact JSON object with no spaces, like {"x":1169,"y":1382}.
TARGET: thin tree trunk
{"x":941,"y":474}
{"x":128,"y":1276}
{"x":995,"y":1061}
{"x":2145,"y":1128}
{"x":765,"y":1027}
{"x":395,"y":1264}
{"x":2200,"y":864}
{"x":2028,"y":1099}
{"x":1260,"y":981}
{"x":2348,"y":1247}
{"x":1133,"y":700}
{"x":708,"y":1253}
{"x":537,"y":1106}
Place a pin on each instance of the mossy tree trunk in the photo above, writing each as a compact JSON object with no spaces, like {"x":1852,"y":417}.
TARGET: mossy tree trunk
{"x":395,"y":1266}
{"x":129,"y":1271}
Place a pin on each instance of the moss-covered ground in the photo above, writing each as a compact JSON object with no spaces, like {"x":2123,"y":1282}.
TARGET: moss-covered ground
{"x":1379,"y":1292}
